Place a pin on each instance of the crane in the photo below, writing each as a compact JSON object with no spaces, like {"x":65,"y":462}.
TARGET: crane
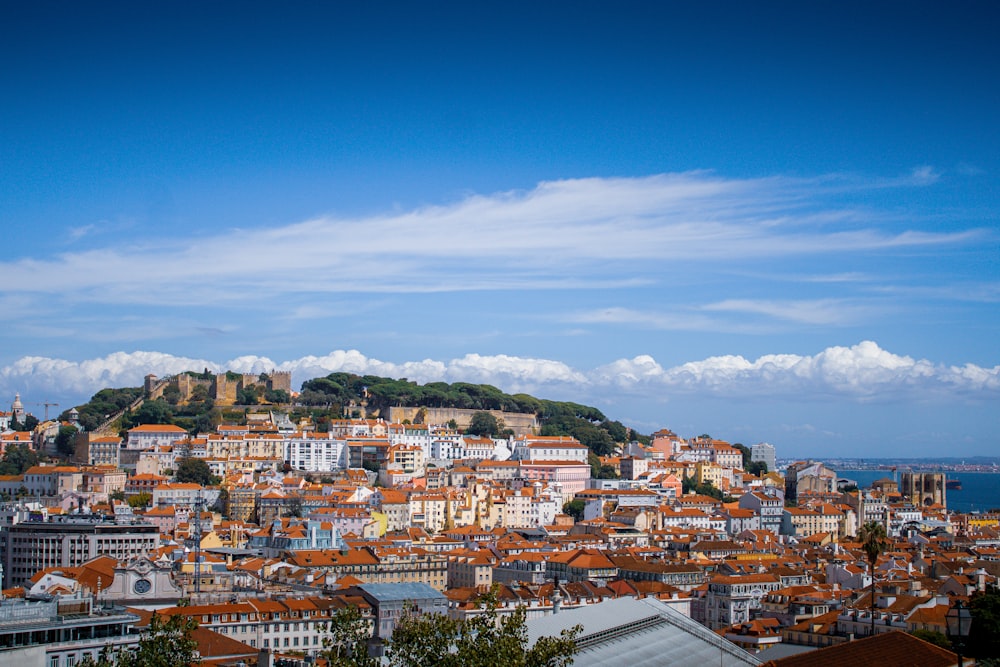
{"x":47,"y":408}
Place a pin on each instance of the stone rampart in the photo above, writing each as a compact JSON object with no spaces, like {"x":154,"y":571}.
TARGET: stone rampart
{"x":521,"y":423}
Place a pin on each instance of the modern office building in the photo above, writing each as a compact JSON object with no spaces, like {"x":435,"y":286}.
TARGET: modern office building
{"x":763,"y":452}
{"x":70,"y":541}
{"x":62,"y":631}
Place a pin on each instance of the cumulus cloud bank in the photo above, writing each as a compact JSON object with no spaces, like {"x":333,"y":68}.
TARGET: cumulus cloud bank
{"x":863,"y":372}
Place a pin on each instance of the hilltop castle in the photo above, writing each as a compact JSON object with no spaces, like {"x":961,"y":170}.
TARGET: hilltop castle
{"x":222,"y":388}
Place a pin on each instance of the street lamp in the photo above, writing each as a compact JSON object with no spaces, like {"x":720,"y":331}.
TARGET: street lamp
{"x":959,"y":620}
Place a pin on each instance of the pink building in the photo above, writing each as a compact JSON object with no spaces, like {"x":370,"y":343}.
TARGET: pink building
{"x":571,"y":475}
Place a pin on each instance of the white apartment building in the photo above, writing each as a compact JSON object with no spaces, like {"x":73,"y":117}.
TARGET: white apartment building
{"x":154,"y":435}
{"x":549,"y":448}
{"x":316,"y":452}
{"x":183,"y":495}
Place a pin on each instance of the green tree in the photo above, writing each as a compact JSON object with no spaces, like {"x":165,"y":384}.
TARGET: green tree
{"x":689,"y":484}
{"x":194,"y":470}
{"x":199,"y":393}
{"x":346,"y":641}
{"x":874,"y":543}
{"x":172,"y":394}
{"x":18,"y":458}
{"x":66,"y":440}
{"x":106,"y":658}
{"x":154,"y":412}
{"x":746,"y":454}
{"x":574,"y":508}
{"x":29,"y":424}
{"x":206,"y":421}
{"x":165,"y":643}
{"x":934,"y":637}
{"x":277,"y":396}
{"x":140,"y":500}
{"x":484,"y":640}
{"x":247,"y":395}
{"x":424,"y":640}
{"x":483,"y":424}
{"x":616,"y":430}
{"x":984,"y":639}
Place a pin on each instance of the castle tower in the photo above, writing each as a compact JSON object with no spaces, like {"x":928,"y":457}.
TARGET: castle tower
{"x":281,"y":380}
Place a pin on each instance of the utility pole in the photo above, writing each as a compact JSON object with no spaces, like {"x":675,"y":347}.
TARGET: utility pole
{"x":199,"y":501}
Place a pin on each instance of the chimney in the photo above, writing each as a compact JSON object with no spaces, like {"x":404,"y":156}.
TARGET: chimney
{"x":556,"y":596}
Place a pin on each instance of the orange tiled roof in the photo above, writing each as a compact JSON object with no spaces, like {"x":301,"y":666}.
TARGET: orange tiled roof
{"x":890,"y":648}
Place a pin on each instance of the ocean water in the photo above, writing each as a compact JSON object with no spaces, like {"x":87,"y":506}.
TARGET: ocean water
{"x":980,"y":490}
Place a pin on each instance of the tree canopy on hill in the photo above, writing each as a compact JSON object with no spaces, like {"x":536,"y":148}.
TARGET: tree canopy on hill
{"x":345,"y":388}
{"x":326,"y":397}
{"x":586,"y":424}
{"x":101,"y":405}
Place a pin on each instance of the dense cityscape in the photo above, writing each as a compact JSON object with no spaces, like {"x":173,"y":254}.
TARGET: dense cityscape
{"x":266,"y":533}
{"x":499,"y":334}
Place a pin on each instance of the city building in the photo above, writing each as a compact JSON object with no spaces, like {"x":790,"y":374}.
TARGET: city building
{"x":70,"y":541}
{"x":61,"y":632}
{"x":763,"y":452}
{"x":924,"y":488}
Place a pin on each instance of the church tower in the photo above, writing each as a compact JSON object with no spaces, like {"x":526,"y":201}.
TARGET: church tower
{"x":17,"y":409}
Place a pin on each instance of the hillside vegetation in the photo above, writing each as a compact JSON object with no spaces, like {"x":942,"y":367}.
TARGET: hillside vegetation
{"x":326,"y":398}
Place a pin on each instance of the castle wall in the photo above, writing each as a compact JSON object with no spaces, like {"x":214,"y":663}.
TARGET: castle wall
{"x":185,"y":384}
{"x":221,"y":389}
{"x":224,"y":390}
{"x":281,"y":380}
{"x":521,"y":423}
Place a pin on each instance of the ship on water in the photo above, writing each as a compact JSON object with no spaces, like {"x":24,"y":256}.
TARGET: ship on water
{"x":953,"y":484}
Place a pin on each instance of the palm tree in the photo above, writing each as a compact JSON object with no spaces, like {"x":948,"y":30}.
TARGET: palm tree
{"x":874,"y":543}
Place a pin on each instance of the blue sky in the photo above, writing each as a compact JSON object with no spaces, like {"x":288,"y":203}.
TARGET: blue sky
{"x":764,"y":221}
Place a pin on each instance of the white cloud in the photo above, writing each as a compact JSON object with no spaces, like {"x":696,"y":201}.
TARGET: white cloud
{"x":816,"y":311}
{"x":678,"y":320}
{"x":44,"y":376}
{"x":77,"y":233}
{"x":863,"y":372}
{"x":578,"y":233}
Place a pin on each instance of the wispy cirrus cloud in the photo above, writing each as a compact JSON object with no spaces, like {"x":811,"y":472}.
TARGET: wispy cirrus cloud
{"x":570,"y":234}
{"x":837,"y":312}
